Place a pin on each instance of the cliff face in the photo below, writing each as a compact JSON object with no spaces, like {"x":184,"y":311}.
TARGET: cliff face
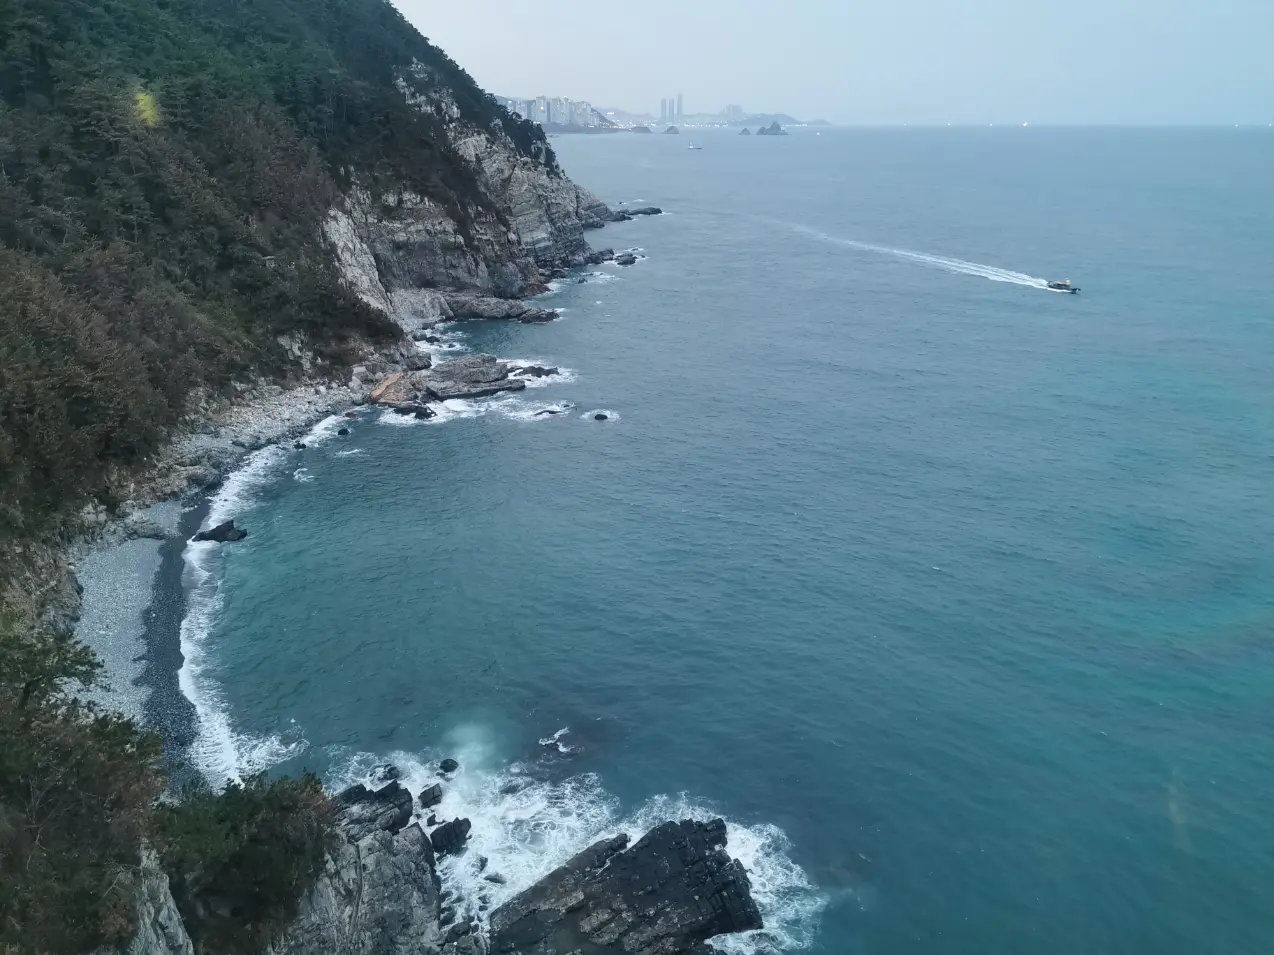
{"x":256,"y":196}
{"x":380,"y":895}
{"x":528,"y":220}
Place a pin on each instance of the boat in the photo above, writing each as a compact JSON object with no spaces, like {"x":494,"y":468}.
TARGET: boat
{"x":1064,"y":286}
{"x":693,"y":146}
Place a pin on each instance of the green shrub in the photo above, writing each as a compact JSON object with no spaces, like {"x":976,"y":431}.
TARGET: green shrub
{"x":76,"y":791}
{"x":240,"y":862}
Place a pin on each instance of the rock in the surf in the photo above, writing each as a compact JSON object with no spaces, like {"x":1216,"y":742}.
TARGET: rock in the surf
{"x":343,"y":432}
{"x":430,"y":796}
{"x":448,"y":765}
{"x":533,"y":371}
{"x":669,"y":893}
{"x":625,"y":258}
{"x":450,"y":837}
{"x":601,"y":417}
{"x":473,"y":376}
{"x":222,"y":534}
{"x":365,"y":811}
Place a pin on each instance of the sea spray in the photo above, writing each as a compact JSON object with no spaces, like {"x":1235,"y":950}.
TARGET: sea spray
{"x":528,"y":820}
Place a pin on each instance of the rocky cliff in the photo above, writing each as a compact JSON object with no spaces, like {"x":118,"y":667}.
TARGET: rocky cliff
{"x":380,"y":893}
{"x":392,"y":244}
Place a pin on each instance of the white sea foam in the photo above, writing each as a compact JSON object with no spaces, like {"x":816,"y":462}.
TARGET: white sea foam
{"x":220,"y":751}
{"x":303,"y":475}
{"x":525,"y":825}
{"x":555,"y":741}
{"x":960,"y":266}
{"x":350,"y":453}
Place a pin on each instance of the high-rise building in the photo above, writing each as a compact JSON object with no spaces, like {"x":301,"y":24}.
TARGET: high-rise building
{"x":663,"y":111}
{"x":681,"y":114}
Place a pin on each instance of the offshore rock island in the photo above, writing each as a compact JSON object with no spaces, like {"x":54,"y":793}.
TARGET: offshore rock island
{"x":241,"y":231}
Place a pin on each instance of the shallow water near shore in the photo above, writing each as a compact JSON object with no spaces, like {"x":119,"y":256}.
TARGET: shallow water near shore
{"x":953,"y":595}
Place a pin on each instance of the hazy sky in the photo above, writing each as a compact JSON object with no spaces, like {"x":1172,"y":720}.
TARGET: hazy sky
{"x":877,"y":61}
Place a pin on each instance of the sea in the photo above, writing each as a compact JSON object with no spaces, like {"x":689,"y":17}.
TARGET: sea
{"x":952,"y":594}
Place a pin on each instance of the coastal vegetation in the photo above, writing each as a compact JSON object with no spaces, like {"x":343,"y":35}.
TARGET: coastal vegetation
{"x":165,"y":167}
{"x":79,"y":791}
{"x":165,"y":170}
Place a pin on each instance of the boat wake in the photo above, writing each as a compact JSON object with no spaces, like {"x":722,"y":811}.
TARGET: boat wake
{"x":957,"y":266}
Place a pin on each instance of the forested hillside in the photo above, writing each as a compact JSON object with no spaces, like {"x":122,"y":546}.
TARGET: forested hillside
{"x":164,"y":169}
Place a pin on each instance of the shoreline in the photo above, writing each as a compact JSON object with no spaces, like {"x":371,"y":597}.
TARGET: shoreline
{"x":142,"y":651}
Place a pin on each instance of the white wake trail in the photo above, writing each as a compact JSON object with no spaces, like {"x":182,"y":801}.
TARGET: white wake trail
{"x":959,"y":266}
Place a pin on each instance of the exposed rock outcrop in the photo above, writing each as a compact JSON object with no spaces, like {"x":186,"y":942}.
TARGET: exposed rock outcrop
{"x":222,"y":534}
{"x":466,"y":305}
{"x":160,"y":930}
{"x":667,"y":894}
{"x":774,"y":129}
{"x":378,"y":895}
{"x":473,"y":376}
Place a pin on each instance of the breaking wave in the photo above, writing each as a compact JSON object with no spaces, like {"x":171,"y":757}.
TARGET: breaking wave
{"x":526,"y":823}
{"x":219,"y":751}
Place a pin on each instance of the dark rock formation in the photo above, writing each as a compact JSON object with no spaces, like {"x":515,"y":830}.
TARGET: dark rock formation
{"x":641,"y":129}
{"x":351,"y":414}
{"x":343,"y":432}
{"x":416,"y":360}
{"x":672,"y":131}
{"x":546,"y":411}
{"x":366,"y":811}
{"x":466,"y":305}
{"x":222,"y":534}
{"x":601,"y":417}
{"x":646,"y":211}
{"x":625,"y":258}
{"x":667,"y":894}
{"x":473,"y":376}
{"x":298,"y":446}
{"x":451,"y":836}
{"x":746,"y":132}
{"x":386,"y":772}
{"x":774,"y":129}
{"x":430,"y":796}
{"x":449,"y":765}
{"x":533,"y":371}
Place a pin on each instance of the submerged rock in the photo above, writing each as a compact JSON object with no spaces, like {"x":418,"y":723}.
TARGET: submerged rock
{"x":222,"y":534}
{"x":673,"y":890}
{"x":601,"y":417}
{"x":343,"y":432}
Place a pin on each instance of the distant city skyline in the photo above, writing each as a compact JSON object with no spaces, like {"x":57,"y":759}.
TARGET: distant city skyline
{"x":929,"y":62}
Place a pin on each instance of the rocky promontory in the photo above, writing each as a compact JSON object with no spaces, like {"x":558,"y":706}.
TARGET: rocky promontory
{"x":382,"y":892}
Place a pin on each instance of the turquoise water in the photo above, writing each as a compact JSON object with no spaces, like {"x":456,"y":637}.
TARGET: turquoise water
{"x":952,"y":594}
